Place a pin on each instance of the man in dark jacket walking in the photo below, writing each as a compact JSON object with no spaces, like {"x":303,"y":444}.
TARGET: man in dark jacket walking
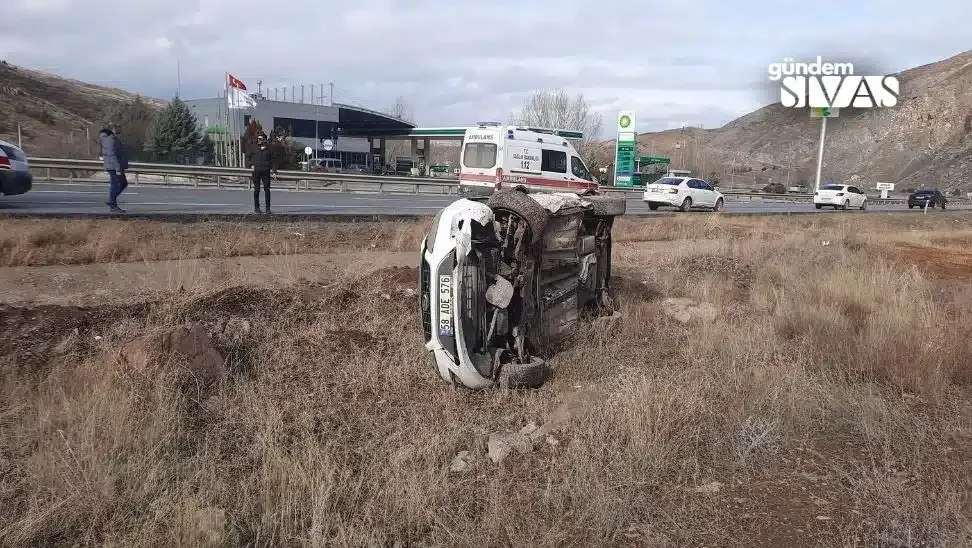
{"x":263,"y":161}
{"x":115,"y":160}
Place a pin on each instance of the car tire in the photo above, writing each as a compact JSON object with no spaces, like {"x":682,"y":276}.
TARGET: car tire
{"x":523,"y":375}
{"x":686,"y":205}
{"x":911,"y":206}
{"x":818,"y":206}
{"x":718,"y":206}
{"x":523,"y":206}
{"x":607,"y":206}
{"x":846,"y":205}
{"x":943,"y":205}
{"x":653,"y":207}
{"x":864,"y":205}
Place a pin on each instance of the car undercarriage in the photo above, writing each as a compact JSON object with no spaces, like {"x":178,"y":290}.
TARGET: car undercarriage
{"x":520,"y":272}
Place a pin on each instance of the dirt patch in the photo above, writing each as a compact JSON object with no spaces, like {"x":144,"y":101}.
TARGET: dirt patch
{"x":939,"y":262}
{"x":97,"y":284}
{"x":33,"y":336}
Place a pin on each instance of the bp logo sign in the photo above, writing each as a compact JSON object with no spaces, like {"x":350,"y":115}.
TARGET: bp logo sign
{"x":625,"y":121}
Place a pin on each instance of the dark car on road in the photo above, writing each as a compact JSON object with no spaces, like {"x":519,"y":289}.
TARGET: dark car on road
{"x":932,"y":196}
{"x":15,"y":176}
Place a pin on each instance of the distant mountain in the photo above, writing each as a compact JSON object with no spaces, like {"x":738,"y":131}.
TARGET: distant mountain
{"x":54,"y":112}
{"x":926,"y":140}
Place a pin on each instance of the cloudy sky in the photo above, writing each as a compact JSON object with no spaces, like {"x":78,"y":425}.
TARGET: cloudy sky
{"x":675,"y":62}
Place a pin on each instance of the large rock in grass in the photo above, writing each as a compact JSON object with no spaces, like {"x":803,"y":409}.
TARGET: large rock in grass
{"x":187,"y":346}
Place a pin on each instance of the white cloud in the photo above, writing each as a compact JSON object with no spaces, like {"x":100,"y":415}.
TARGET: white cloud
{"x":675,"y":62}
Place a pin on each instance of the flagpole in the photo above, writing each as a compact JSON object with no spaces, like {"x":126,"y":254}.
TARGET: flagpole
{"x":222,"y":129}
{"x":216,"y":134}
{"x":229,"y":125}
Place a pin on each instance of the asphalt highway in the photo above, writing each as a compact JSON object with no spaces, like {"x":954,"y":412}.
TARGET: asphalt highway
{"x":89,"y":199}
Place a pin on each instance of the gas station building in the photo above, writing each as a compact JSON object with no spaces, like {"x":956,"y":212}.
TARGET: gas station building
{"x":358,"y":136}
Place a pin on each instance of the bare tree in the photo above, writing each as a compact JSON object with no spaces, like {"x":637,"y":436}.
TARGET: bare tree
{"x":557,"y":110}
{"x":403,"y":111}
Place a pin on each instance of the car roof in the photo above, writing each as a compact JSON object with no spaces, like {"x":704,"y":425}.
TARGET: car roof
{"x":4,"y":143}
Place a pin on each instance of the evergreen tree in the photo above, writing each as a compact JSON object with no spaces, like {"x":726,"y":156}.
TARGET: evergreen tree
{"x":132,"y":122}
{"x":175,"y":136}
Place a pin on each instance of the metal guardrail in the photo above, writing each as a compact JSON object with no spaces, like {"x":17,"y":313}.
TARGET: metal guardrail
{"x":84,"y":171}
{"x":92,"y":171}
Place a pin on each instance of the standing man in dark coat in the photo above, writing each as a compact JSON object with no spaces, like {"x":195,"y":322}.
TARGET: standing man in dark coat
{"x":115,"y":159}
{"x":263,"y":161}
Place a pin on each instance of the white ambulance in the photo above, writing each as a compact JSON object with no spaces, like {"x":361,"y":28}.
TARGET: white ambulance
{"x":496,"y":156}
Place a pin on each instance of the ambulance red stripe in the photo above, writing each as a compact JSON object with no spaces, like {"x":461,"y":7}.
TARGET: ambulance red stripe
{"x":536,"y":181}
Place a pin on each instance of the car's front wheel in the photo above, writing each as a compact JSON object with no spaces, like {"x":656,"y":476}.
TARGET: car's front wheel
{"x":943,"y":205}
{"x":686,"y":205}
{"x":718,"y":206}
{"x":864,"y":205}
{"x":818,"y":206}
{"x":846,"y":205}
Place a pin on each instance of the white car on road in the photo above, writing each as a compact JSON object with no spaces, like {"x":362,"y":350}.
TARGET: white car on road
{"x":685,"y":193}
{"x":840,"y":197}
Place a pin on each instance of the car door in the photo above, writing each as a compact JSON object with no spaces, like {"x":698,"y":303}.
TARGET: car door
{"x":708,"y":191}
{"x":857,"y":197}
{"x":698,"y":192}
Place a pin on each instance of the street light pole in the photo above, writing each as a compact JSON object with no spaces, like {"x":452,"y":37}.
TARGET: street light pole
{"x":823,"y":135}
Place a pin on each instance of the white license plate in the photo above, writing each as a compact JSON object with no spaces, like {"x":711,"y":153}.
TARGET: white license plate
{"x":445,"y":306}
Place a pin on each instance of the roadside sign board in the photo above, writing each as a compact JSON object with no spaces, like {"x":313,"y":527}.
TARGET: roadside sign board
{"x":626,"y":150}
{"x":308,"y":151}
{"x":327,"y":144}
{"x":824,"y":112}
{"x":884,"y":188}
{"x":649,"y":160}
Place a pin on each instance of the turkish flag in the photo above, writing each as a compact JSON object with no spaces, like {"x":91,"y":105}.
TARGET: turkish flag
{"x":235,"y":82}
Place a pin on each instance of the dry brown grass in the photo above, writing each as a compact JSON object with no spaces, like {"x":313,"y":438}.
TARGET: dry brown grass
{"x":37,"y":242}
{"x":832,"y":399}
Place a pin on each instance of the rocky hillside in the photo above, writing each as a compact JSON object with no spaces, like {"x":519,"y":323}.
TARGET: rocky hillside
{"x":54,"y":112}
{"x":925,"y":140}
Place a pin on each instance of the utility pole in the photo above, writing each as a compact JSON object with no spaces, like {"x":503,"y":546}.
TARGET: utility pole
{"x":332,"y":93}
{"x":259,"y":87}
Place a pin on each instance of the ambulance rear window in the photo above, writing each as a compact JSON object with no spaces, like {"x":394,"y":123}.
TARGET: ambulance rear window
{"x":479,"y":155}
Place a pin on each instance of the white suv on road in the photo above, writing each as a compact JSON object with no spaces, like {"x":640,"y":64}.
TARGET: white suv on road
{"x":685,"y":193}
{"x":15,"y":177}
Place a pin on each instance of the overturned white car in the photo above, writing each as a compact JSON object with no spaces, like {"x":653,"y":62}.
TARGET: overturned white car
{"x":502,"y":281}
